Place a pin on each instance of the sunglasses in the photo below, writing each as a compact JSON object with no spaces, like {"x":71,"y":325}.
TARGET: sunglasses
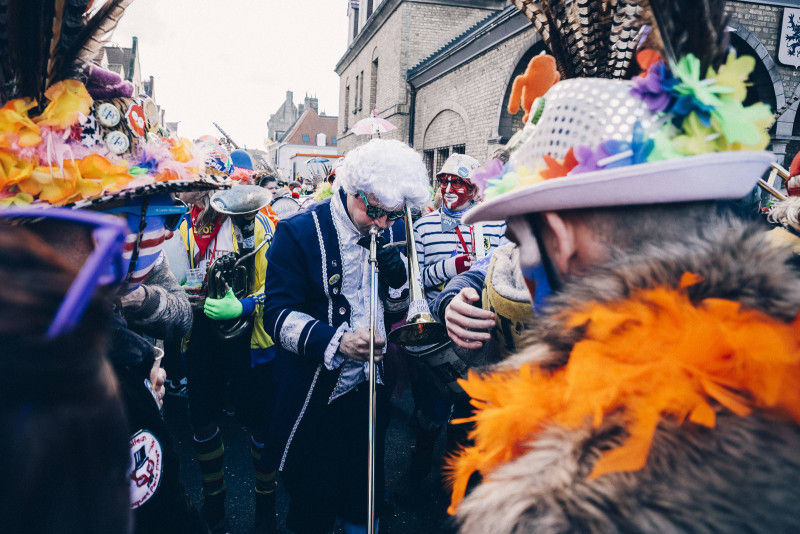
{"x":103,"y":267}
{"x":173,"y":215}
{"x":374,"y":212}
{"x":455,"y":182}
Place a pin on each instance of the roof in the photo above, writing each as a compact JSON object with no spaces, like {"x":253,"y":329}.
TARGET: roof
{"x":119,"y":56}
{"x":311,"y":124}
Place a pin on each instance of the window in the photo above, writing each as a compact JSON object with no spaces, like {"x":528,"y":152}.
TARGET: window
{"x":361,"y":93}
{"x":369,"y":8}
{"x":355,"y":22}
{"x":333,"y":141}
{"x":373,"y":85}
{"x":306,"y":138}
{"x":459,"y":149}
{"x":441,"y":156}
{"x":355,"y":97}
{"x":427,"y":155}
{"x":346,"y":108}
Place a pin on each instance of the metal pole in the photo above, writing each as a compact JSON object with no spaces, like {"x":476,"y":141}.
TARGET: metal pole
{"x":373,"y":310}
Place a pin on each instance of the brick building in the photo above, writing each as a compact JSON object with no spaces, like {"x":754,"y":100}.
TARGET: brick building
{"x":312,"y":135}
{"x":453,"y":98}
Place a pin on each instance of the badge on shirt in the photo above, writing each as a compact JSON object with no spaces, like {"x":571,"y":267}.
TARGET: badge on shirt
{"x":146,"y":467}
{"x":333,"y":280}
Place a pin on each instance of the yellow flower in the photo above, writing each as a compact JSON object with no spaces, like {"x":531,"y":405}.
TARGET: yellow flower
{"x":13,"y":170}
{"x":18,"y":200}
{"x":734,"y":74}
{"x":181,"y":149}
{"x":52,"y":184}
{"x":100,"y":170}
{"x":69,"y":99}
{"x":16,"y":126}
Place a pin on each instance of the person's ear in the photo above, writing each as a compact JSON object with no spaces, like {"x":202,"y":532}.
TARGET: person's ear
{"x":560,"y":240}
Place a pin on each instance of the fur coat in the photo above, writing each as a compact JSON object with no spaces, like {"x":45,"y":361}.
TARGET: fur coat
{"x":742,"y":475}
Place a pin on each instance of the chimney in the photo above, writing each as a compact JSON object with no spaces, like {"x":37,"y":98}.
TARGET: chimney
{"x":132,"y":63}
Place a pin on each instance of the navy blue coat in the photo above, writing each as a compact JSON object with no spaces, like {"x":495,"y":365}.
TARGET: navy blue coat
{"x":303,"y":308}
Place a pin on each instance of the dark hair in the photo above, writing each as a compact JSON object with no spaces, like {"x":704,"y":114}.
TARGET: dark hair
{"x":64,"y":452}
{"x":263,"y":178}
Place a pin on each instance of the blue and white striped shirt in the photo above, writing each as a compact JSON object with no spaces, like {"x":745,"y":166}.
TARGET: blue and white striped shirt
{"x":437,"y":247}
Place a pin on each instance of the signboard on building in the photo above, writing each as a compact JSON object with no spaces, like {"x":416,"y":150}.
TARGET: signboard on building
{"x":789,"y":48}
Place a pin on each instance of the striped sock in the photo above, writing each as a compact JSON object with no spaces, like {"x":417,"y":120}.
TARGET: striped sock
{"x":264,"y":480}
{"x":210,"y":456}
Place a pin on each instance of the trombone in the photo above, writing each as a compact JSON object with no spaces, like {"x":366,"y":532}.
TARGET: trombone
{"x":420,"y":328}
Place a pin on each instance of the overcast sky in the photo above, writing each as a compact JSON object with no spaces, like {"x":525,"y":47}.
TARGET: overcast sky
{"x":232,"y":61}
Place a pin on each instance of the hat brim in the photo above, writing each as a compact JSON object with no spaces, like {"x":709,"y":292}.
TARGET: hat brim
{"x":204,"y":183}
{"x":717,"y":176}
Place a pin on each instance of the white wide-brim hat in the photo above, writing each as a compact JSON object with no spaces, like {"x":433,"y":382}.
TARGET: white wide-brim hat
{"x":587,"y":111}
{"x":717,"y":176}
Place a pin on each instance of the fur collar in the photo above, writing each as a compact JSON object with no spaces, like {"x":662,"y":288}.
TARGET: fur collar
{"x":738,"y":476}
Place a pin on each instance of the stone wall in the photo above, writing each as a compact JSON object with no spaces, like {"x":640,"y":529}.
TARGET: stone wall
{"x":412,"y":32}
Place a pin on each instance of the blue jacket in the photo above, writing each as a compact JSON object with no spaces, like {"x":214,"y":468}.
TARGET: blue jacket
{"x":303,"y":308}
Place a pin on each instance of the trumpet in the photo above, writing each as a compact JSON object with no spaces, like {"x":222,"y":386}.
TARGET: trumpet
{"x":373,"y":310}
{"x":420,"y":327}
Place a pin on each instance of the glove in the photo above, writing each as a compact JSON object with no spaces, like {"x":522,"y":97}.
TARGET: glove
{"x":228,"y":307}
{"x":392,"y":268}
{"x":461,"y":263}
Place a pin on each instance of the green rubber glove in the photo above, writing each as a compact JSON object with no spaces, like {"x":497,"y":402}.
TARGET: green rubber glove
{"x":228,"y":307}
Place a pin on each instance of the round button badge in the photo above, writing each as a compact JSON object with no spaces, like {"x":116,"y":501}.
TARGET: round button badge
{"x":108,"y":115}
{"x":117,"y":142}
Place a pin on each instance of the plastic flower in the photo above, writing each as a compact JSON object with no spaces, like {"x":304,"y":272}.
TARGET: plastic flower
{"x":557,"y":169}
{"x":734,"y":74}
{"x":181,"y":149}
{"x":694,"y":94}
{"x":12,"y":169}
{"x":11,"y":200}
{"x":746,"y":126}
{"x":614,"y":153}
{"x":655,"y":88}
{"x":697,"y":138}
{"x":663,"y":148}
{"x":16,"y":128}
{"x":69,"y":100}
{"x":490,"y":170}
{"x":52,"y":184}
{"x":98,"y":169}
{"x":512,"y":180}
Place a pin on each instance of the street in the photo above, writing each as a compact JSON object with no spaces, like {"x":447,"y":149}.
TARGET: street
{"x":422,"y":516}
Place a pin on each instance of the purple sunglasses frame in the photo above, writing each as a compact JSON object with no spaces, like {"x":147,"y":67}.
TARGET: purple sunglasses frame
{"x":109,"y":236}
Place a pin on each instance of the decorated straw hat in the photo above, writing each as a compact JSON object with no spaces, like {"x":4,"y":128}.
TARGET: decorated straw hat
{"x":74,"y":134}
{"x":679,"y":132}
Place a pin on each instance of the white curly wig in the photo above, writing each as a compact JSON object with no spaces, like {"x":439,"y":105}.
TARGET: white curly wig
{"x":390,"y":170}
{"x":786,"y":212}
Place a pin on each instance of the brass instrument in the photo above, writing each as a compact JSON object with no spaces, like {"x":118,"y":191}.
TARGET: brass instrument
{"x":420,"y":327}
{"x":373,"y":309}
{"x":237,"y":270}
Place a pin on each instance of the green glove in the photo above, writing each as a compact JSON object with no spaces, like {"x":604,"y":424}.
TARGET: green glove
{"x":228,"y":307}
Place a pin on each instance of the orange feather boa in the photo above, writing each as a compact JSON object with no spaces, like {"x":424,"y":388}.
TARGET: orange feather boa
{"x":653,"y":356}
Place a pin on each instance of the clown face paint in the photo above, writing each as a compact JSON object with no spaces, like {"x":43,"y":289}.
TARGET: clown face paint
{"x":456,"y":191}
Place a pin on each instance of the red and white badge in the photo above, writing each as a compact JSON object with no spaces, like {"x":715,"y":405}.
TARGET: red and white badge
{"x":136,"y":119}
{"x":146,"y":467}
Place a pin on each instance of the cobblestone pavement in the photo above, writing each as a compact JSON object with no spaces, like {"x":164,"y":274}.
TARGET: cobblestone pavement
{"x":424,"y":515}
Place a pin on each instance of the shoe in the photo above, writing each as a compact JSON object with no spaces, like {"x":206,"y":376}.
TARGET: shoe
{"x":265,"y":519}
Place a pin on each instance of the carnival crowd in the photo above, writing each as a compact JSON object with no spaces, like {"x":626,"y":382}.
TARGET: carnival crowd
{"x":601,"y":320}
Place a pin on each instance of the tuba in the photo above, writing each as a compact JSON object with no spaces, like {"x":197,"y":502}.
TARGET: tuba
{"x":236,"y":270}
{"x":420,"y":327}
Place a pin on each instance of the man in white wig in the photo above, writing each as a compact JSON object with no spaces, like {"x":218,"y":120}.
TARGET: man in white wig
{"x":317,"y":310}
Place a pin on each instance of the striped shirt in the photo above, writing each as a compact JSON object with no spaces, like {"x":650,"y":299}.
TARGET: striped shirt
{"x":436,"y":247}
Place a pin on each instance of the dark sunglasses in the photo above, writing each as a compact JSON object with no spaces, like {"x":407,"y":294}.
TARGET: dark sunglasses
{"x":103,"y":267}
{"x":374,"y":212}
{"x":455,"y":182}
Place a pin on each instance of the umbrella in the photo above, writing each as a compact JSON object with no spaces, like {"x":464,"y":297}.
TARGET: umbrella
{"x":373,"y":125}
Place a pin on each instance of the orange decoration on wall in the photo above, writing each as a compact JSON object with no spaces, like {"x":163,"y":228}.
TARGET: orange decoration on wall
{"x":539,"y":77}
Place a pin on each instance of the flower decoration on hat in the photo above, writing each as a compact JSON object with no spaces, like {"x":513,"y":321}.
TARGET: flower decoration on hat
{"x":59,"y":158}
{"x":683,"y":114}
